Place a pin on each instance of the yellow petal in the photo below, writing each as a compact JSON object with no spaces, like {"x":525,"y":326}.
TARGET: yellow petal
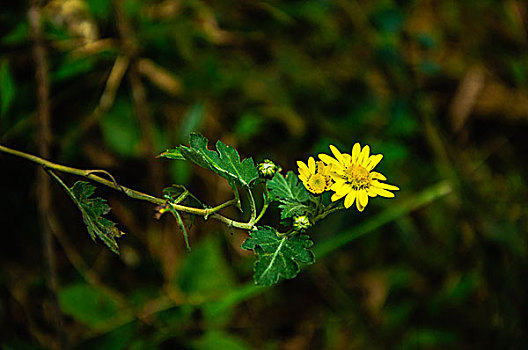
{"x":337,"y":196}
{"x":384,"y":193}
{"x":302,"y":177}
{"x":303,"y":169}
{"x":373,"y":161}
{"x":329,"y":160}
{"x":364,"y":156}
{"x":350,"y":198}
{"x":336,"y":177}
{"x":372,"y":192}
{"x":385,"y":186}
{"x":311,"y":165}
{"x":337,"y":184}
{"x":363,"y":197}
{"x":339,"y":172}
{"x":337,"y":154}
{"x":343,"y":189}
{"x":359,"y":206}
{"x":376,"y":175}
{"x":355,"y":152}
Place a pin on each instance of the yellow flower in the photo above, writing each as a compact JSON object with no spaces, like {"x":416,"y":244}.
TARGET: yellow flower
{"x":354,"y":178}
{"x":316,"y":177}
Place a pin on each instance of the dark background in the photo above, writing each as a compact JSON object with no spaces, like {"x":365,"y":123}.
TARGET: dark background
{"x":440,"y":88}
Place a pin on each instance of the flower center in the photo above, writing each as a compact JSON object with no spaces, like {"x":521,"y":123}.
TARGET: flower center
{"x":357,"y":175}
{"x":317,"y":183}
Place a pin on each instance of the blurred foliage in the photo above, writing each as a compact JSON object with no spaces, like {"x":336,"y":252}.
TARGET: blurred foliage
{"x":439,"y":87}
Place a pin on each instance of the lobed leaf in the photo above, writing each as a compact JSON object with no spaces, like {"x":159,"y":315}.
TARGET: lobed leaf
{"x":92,"y":210}
{"x":287,"y":188}
{"x":225,"y":161}
{"x":290,"y":209}
{"x":277,"y":257}
{"x":290,"y":193}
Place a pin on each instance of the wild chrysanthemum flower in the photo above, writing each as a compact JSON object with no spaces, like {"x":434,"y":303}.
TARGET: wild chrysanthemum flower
{"x":315,"y":176}
{"x":353,"y":176}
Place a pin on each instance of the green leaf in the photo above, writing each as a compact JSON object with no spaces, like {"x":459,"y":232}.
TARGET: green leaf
{"x":290,"y":193}
{"x":225,"y":161}
{"x":277,"y":257}
{"x":88,"y":304}
{"x":7,"y":87}
{"x":287,"y":188}
{"x":290,"y":209}
{"x":92,"y":210}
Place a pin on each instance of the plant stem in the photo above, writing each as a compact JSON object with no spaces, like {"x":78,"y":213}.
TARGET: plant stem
{"x":252,"y":206}
{"x":262,"y":212}
{"x":327,"y":212}
{"x":89,"y":174}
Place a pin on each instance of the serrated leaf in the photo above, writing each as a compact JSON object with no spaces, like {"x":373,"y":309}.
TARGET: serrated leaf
{"x":92,"y":210}
{"x":277,"y":257}
{"x":290,"y":209}
{"x":225,"y":161}
{"x":290,"y":193}
{"x":287,"y":188}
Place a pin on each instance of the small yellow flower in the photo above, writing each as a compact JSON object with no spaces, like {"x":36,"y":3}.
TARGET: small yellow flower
{"x":354,"y":178}
{"x":315,"y":176}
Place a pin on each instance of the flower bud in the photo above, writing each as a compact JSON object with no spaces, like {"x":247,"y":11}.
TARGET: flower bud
{"x":301,"y":223}
{"x":267,"y":169}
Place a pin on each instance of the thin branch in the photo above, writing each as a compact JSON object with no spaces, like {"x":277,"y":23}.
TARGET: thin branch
{"x":43,"y":182}
{"x":262,"y":211}
{"x":105,"y":102}
{"x":328,"y":210}
{"x":89,"y":174}
{"x":252,"y":206}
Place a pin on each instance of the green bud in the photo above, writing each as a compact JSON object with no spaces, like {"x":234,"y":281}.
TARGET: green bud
{"x":267,"y":169}
{"x":301,"y":223}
